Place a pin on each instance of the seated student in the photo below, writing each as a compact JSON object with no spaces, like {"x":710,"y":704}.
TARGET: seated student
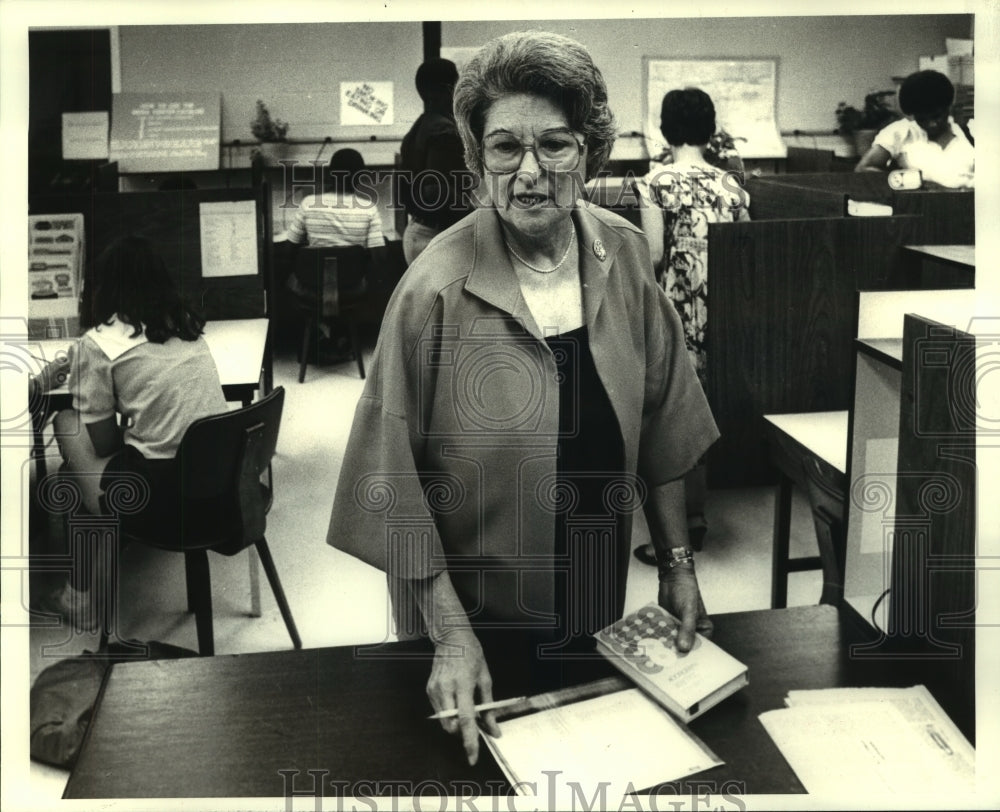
{"x":144,"y":359}
{"x":928,"y":138}
{"x":679,"y":200}
{"x":340,"y":215}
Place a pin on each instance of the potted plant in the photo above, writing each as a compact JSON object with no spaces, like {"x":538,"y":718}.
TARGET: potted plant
{"x":861,"y":125}
{"x":722,"y":153}
{"x":268,"y":131}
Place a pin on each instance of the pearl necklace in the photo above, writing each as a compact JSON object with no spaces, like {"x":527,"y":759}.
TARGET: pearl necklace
{"x":553,"y":269}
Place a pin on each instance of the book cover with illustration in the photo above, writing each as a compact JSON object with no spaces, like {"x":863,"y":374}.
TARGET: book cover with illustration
{"x":642,"y":646}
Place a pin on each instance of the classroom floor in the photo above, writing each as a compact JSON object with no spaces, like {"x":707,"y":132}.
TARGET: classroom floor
{"x":336,"y":599}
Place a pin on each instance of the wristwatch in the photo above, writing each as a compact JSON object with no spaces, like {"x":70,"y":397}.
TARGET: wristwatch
{"x":675,"y":557}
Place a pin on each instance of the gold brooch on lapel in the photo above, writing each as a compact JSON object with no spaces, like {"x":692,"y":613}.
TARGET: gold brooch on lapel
{"x":599,"y":251}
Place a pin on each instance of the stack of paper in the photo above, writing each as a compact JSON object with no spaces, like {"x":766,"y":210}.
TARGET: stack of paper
{"x":604,"y":747}
{"x":894,"y":741}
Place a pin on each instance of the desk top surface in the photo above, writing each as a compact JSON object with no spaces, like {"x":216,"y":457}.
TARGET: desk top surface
{"x":237,"y":346}
{"x":227,"y":726}
{"x":823,"y":433}
{"x":958,"y":254}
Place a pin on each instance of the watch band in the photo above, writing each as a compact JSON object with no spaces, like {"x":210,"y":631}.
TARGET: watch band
{"x":675,"y":557}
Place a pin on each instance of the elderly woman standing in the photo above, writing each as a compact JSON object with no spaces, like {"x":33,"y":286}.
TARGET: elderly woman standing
{"x":530,"y":389}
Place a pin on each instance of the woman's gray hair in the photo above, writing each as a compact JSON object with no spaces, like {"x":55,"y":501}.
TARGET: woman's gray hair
{"x":543,"y":64}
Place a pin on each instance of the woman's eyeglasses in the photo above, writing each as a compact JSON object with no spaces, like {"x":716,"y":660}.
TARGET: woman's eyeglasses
{"x":555,"y":151}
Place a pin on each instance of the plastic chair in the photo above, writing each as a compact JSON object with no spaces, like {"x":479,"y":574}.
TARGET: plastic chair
{"x":826,"y":498}
{"x":223,"y":506}
{"x":331,"y":283}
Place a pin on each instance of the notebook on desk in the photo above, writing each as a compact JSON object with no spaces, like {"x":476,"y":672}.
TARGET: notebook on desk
{"x":598,"y":747}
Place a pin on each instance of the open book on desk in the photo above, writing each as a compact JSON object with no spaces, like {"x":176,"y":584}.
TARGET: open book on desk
{"x":606,"y":746}
{"x":641,"y":646}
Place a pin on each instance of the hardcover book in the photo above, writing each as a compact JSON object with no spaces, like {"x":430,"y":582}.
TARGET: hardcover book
{"x":642,"y":646}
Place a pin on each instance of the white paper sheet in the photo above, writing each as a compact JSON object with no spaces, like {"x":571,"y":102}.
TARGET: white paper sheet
{"x":85,"y":135}
{"x":605,"y":747}
{"x":228,"y":238}
{"x":930,"y":724}
{"x":894,"y":741}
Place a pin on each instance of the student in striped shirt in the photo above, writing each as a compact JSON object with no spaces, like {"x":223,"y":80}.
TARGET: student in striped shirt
{"x":340,"y":215}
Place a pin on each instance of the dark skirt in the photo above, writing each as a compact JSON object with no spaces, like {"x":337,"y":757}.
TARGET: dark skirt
{"x":142,"y":493}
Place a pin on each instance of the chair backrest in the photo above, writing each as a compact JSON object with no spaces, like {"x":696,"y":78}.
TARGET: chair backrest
{"x":222,"y":458}
{"x":805,"y":159}
{"x":826,"y":499}
{"x":335,"y":274}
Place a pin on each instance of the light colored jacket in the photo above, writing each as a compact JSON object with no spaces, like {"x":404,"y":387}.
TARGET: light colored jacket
{"x":452,"y":456}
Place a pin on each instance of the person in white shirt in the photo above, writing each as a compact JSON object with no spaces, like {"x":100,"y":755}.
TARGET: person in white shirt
{"x":928,"y":138}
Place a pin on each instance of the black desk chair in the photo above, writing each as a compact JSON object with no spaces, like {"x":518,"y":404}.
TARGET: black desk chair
{"x":330,"y":282}
{"x":805,"y":159}
{"x":223,"y":506}
{"x":826,"y":498}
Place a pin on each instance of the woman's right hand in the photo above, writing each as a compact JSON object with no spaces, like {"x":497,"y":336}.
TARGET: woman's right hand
{"x":458,"y":675}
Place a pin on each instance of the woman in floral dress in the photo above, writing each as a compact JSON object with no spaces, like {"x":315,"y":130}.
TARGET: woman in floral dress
{"x":700,"y":183}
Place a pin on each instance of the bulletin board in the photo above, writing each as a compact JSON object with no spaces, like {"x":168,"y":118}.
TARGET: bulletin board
{"x":212,"y":240}
{"x":744,"y":91}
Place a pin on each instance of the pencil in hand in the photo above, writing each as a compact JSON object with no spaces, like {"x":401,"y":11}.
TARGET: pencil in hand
{"x":486,"y":706}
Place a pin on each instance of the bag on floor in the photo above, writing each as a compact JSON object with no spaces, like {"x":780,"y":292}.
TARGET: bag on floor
{"x":64,"y":694}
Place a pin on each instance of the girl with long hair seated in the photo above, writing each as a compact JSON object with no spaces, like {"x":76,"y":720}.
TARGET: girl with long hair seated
{"x":140,"y":375}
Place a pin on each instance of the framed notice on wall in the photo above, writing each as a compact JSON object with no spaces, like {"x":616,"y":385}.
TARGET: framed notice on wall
{"x":744,"y":92}
{"x":165,"y":132}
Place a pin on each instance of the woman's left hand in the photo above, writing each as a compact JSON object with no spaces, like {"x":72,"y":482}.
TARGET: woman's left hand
{"x":681,"y":596}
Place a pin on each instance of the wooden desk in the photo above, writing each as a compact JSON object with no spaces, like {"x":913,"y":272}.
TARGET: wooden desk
{"x":237,"y":346}
{"x":943,"y":266}
{"x":964,"y":255}
{"x":793,"y":439}
{"x":228,"y":726}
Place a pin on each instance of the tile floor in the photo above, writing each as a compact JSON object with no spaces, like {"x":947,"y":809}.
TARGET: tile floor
{"x":338,"y":600}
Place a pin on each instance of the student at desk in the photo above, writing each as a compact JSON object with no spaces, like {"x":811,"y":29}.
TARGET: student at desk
{"x":928,"y":138}
{"x":340,"y":216}
{"x":144,"y":359}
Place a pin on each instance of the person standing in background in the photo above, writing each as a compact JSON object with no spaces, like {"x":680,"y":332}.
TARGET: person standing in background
{"x":679,"y":200}
{"x":432,"y":161}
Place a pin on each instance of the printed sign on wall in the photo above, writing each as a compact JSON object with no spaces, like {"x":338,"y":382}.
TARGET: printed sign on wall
{"x":366,"y":103}
{"x":165,"y":132}
{"x":85,"y":135}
